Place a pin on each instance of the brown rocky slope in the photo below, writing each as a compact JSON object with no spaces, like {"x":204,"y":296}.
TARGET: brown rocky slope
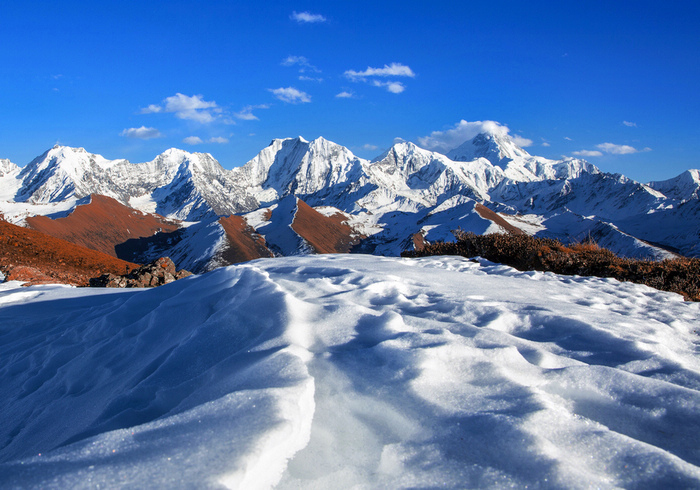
{"x":37,"y":258}
{"x":102,"y":224}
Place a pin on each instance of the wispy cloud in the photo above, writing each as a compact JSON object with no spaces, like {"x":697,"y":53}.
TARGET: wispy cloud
{"x":619,"y":149}
{"x":302,"y":62}
{"x":193,"y":108}
{"x":629,"y":124}
{"x":290,"y":95}
{"x":218,"y":139}
{"x":567,"y":138}
{"x":371,"y":74}
{"x":444,"y":141}
{"x":587,"y":153}
{"x":196,"y":140}
{"x":370,"y":147}
{"x":392,"y":70}
{"x":246,"y":114}
{"x":545,"y":144}
{"x":307,"y":18}
{"x":393,"y":87}
{"x":142,"y":133}
{"x":345,"y":95}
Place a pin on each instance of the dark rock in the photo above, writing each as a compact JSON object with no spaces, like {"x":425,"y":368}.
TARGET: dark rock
{"x":157,"y":273}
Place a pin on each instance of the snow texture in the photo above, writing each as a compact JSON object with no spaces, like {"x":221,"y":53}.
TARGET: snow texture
{"x":344,"y":371}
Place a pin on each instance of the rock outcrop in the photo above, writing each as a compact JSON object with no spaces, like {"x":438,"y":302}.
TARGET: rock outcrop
{"x":157,"y":273}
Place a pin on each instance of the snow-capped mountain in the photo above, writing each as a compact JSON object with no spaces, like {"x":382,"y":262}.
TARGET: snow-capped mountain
{"x":405,"y":194}
{"x":683,"y":187}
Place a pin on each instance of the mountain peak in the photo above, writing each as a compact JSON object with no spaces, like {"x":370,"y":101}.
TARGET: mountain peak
{"x":499,"y":149}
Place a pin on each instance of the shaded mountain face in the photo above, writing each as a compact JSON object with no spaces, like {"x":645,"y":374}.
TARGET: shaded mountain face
{"x":283,"y":201}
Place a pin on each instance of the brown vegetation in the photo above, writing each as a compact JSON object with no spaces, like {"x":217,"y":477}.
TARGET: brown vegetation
{"x":243,"y":241}
{"x":524,"y":252}
{"x":486,"y":213}
{"x":102,"y":224}
{"x":36,"y":258}
{"x":326,"y":234}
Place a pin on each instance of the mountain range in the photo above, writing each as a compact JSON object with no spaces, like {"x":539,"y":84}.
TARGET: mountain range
{"x":298,"y":197}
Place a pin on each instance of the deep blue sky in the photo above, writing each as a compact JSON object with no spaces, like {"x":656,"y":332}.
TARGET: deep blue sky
{"x":571,"y":75}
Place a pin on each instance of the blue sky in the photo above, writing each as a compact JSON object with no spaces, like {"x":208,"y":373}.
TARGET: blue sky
{"x":615,"y":82}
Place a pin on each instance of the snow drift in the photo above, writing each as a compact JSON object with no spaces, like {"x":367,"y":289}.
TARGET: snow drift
{"x":342,"y":371}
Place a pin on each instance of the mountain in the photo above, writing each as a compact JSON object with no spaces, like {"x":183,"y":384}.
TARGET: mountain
{"x":683,"y":187}
{"x":405,"y":196}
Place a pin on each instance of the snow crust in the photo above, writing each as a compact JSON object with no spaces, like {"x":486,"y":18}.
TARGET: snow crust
{"x":342,"y":371}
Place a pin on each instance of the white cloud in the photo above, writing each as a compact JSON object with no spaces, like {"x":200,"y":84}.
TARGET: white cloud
{"x":142,"y":133}
{"x":587,"y":153}
{"x":302,"y":62}
{"x":246,"y":114}
{"x":567,"y":138}
{"x":193,"y":140}
{"x":545,"y":144}
{"x":193,"y":108}
{"x":307,"y":17}
{"x":629,"y":124}
{"x":345,"y":95}
{"x":151,"y":109}
{"x":617,"y":149}
{"x":393,"y":70}
{"x":393,"y":87}
{"x":370,"y":147}
{"x":304,"y":78}
{"x":218,"y":139}
{"x":444,"y":141}
{"x":520,"y":141}
{"x":290,"y":95}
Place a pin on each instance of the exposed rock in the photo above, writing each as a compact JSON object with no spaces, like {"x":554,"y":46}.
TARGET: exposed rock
{"x":157,"y":273}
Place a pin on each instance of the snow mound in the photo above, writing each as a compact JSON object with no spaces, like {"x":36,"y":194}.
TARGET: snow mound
{"x":351,"y":371}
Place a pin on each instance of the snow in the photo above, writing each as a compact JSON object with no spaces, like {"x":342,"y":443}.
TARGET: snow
{"x":351,"y":372}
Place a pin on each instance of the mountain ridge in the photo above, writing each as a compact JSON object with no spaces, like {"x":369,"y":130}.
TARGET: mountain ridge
{"x":405,"y":192}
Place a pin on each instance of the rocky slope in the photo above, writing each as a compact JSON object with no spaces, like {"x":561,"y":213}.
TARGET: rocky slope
{"x":102,"y":224}
{"x":36,"y":258}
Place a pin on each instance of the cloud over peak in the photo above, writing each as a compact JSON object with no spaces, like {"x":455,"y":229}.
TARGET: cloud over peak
{"x":444,"y":141}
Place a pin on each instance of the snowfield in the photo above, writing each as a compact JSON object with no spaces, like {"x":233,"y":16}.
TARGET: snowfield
{"x":340,"y":371}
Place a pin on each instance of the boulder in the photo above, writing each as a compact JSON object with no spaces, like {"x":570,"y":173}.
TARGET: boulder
{"x":157,"y":273}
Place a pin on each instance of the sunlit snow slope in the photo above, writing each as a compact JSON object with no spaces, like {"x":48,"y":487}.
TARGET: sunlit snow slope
{"x":339,"y":371}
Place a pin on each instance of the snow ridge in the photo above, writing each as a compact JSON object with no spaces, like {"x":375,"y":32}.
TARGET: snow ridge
{"x":344,"y":371}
